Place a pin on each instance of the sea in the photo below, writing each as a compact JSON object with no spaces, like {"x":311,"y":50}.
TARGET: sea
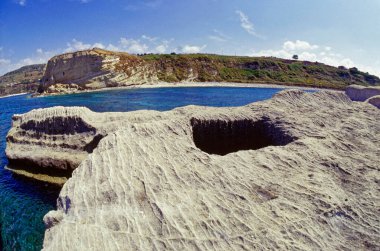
{"x":24,"y":202}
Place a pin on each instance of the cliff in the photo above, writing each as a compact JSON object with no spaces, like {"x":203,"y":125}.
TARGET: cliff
{"x":297,"y":172}
{"x":25,"y":79}
{"x":96,"y":68}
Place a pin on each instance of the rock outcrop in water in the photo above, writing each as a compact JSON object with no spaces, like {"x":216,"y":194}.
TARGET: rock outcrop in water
{"x":54,"y":141}
{"x":299,"y":171}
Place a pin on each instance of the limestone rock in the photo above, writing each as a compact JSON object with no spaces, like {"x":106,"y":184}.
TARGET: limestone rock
{"x":361,"y":93}
{"x":56,"y":140}
{"x":375,"y":100}
{"x":297,"y":172}
{"x":93,"y":69}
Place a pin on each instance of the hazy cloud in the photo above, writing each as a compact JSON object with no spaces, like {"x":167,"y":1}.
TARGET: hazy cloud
{"x":145,"y":4}
{"x":192,"y":48}
{"x":246,"y":24}
{"x":21,"y":2}
{"x":133,"y":46}
{"x":298,"y":45}
{"x":218,"y":36}
{"x":76,"y":45}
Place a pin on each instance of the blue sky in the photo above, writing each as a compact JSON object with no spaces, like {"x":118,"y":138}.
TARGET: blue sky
{"x":336,"y":32}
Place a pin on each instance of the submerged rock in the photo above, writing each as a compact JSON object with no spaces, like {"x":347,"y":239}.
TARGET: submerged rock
{"x":299,"y":171}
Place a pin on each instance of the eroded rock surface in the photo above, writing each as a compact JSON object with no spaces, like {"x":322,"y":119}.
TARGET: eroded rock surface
{"x":192,"y":179}
{"x":361,"y":93}
{"x":375,"y":101}
{"x":55,"y":141}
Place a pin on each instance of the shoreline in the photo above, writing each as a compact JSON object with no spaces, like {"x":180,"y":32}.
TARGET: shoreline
{"x":12,"y":95}
{"x":192,"y":84}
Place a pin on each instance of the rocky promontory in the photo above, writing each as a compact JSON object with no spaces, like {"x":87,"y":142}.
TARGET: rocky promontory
{"x":299,"y":171}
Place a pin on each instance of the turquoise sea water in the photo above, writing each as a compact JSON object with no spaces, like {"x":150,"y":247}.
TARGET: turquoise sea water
{"x":24,"y":202}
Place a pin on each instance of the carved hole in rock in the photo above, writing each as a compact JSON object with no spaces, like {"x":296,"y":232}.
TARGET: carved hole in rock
{"x":222,"y":137}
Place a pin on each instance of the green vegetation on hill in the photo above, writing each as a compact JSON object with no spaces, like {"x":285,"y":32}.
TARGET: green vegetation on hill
{"x":209,"y":67}
{"x":24,"y":79}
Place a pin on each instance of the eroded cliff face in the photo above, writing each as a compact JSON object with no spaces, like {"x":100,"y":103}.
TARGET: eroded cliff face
{"x":93,"y":69}
{"x":369,"y":95}
{"x":297,"y":172}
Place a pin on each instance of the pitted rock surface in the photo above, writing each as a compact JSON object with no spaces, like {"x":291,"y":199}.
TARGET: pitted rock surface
{"x":311,"y":184}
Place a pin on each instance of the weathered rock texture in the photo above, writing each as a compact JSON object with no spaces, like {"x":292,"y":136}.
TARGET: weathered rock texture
{"x":56,"y":140}
{"x":369,"y":95}
{"x":92,"y":69}
{"x":297,"y":172}
{"x":97,"y":68}
{"x":361,"y":93}
{"x":375,"y":100}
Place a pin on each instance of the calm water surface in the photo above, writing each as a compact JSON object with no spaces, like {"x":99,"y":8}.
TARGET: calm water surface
{"x":23,"y":202}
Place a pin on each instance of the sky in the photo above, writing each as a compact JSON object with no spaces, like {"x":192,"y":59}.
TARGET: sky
{"x":335,"y":32}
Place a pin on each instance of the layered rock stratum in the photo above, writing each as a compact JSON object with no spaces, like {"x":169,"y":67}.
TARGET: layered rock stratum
{"x":369,"y":95}
{"x":297,"y":172}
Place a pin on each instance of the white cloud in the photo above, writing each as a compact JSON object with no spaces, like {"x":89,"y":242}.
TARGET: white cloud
{"x":150,"y":39}
{"x":192,"y":48}
{"x":218,"y":36}
{"x":133,"y":46}
{"x":298,"y":45}
{"x":144,"y":4}
{"x":4,"y":62}
{"x":39,"y":57}
{"x":21,"y":2}
{"x":76,"y":45}
{"x":246,"y":24}
{"x":161,"y":48}
{"x":112,"y":47}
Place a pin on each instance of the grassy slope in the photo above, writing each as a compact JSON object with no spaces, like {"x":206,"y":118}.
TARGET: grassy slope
{"x":172,"y":68}
{"x":25,"y":79}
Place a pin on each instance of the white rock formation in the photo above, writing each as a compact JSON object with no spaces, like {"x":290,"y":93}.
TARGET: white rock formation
{"x":361,"y":93}
{"x":374,"y":100}
{"x":94,"y":69}
{"x":56,"y":140}
{"x":297,"y":172}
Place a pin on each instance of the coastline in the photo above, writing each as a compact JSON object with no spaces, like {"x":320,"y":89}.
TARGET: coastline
{"x":54,"y":180}
{"x":11,"y":95}
{"x":193,"y":84}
